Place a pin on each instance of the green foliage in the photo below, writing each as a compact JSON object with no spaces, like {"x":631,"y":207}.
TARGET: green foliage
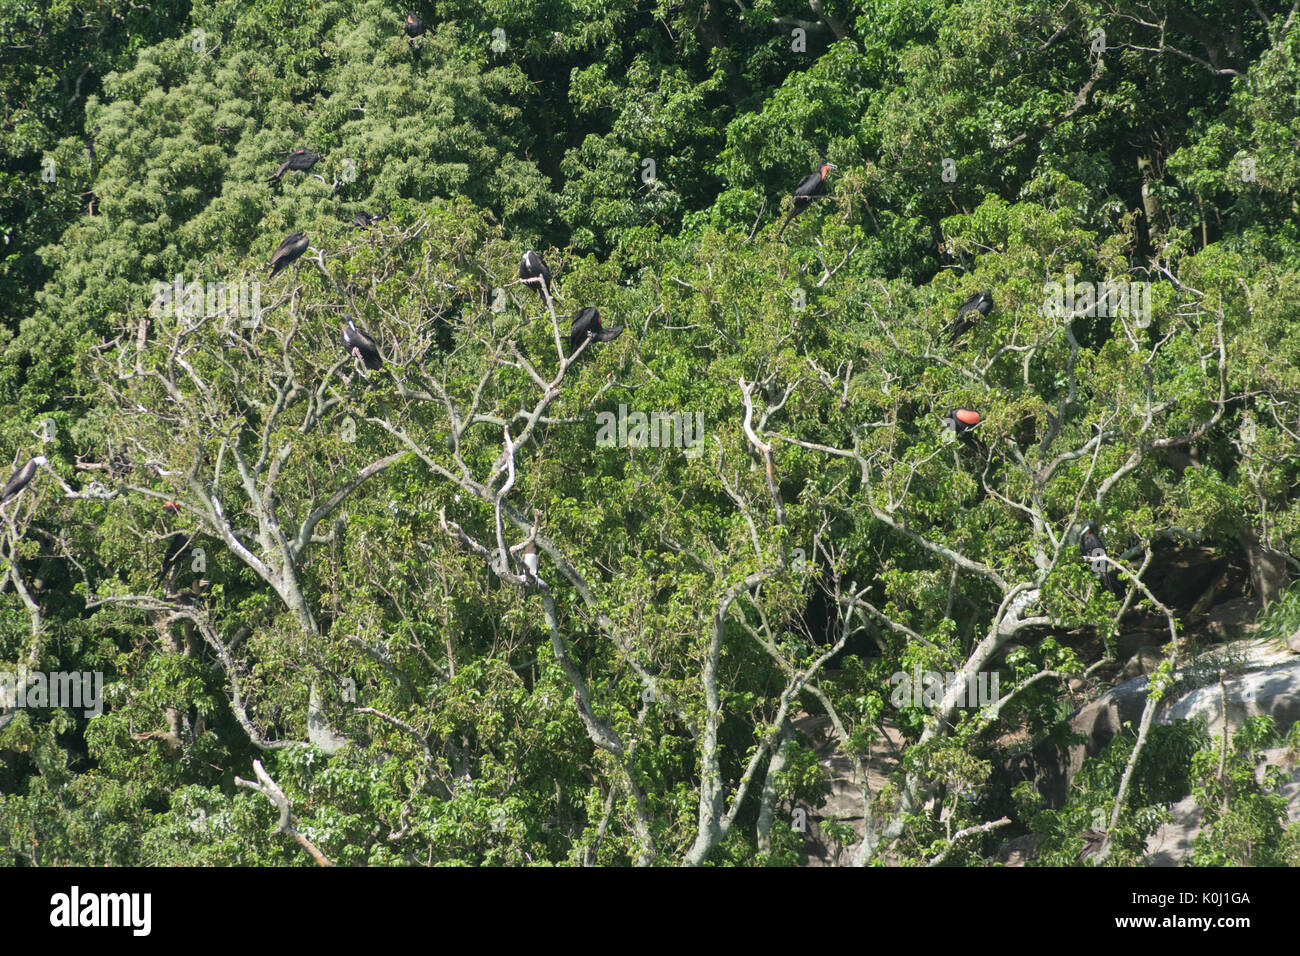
{"x":1161,"y":777}
{"x":1245,"y":821}
{"x":702,"y":606}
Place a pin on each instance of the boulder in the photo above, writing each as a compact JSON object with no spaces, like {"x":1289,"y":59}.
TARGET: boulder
{"x":844,"y":802}
{"x":1053,"y":767}
{"x":1271,"y":686}
{"x":1018,"y":851}
{"x":1145,"y":661}
{"x":1171,"y":845}
{"x":1274,"y":691}
{"x":1130,"y":642}
{"x":1233,"y":620}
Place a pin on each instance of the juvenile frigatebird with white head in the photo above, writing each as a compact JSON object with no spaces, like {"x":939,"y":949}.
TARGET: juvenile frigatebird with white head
{"x":534,"y":272}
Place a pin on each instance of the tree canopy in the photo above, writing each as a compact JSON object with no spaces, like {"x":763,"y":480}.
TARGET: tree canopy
{"x":750,"y":515}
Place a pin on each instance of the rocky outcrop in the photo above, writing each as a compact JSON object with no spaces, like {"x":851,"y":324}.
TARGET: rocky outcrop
{"x":844,"y":802}
{"x":1171,"y":845}
{"x":1270,"y":686}
{"x":1233,"y":619}
{"x":1274,"y":691}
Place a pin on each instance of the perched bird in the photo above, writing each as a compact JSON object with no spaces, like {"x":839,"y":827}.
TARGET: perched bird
{"x":362,"y":346}
{"x":530,"y":557}
{"x":20,"y":479}
{"x":1094,"y":552}
{"x":294,"y":245}
{"x":535,"y":273}
{"x":962,"y":422}
{"x":1093,"y":843}
{"x":175,"y":546}
{"x":587,"y":323}
{"x":809,"y":188}
{"x":300,"y":159}
{"x":414,"y":26}
{"x":119,"y":465}
{"x":971,"y":311}
{"x":365,"y":220}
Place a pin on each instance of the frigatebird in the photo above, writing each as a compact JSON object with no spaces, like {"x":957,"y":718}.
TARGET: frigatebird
{"x":587,"y":323}
{"x":362,"y":346}
{"x":971,"y":311}
{"x":294,"y":245}
{"x":533,"y":271}
{"x":20,"y":479}
{"x":809,"y":188}
{"x":1094,"y":552}
{"x":413,"y":26}
{"x":300,"y":160}
{"x":175,"y":546}
{"x":962,"y":422}
{"x":365,"y":220}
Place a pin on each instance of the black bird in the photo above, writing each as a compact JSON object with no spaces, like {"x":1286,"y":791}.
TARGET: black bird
{"x":300,"y":159}
{"x":962,"y":422}
{"x":365,"y":220}
{"x":20,"y":479}
{"x":535,"y":273}
{"x":1093,"y":552}
{"x":294,"y":245}
{"x":414,"y":26}
{"x":175,"y":546}
{"x":119,"y":465}
{"x":587,"y":323}
{"x":971,"y":311}
{"x":362,"y":346}
{"x":809,"y":188}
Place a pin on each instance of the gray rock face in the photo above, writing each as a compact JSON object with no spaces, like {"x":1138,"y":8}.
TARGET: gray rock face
{"x":1233,"y":619}
{"x":1274,"y":691}
{"x":1171,"y":845}
{"x":1145,"y":661}
{"x":844,"y":803}
{"x":1018,"y":851}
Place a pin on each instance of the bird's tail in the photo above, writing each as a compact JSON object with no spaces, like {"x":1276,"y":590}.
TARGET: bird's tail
{"x":793,"y":212}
